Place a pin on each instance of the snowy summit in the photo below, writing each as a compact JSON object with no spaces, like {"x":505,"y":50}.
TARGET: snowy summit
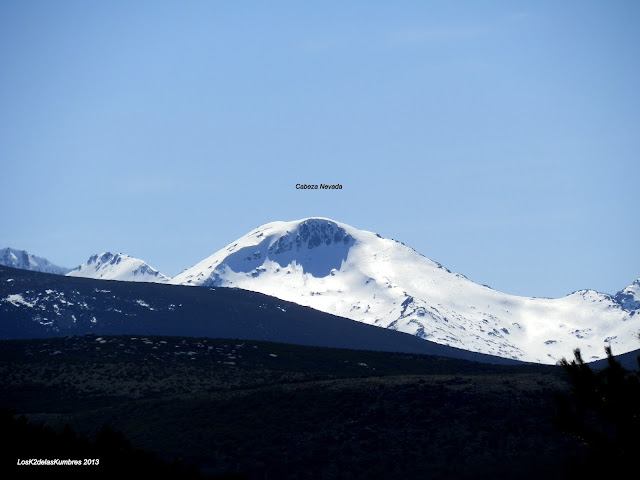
{"x":629,"y":298}
{"x":10,"y":257}
{"x":356,"y":274}
{"x":108,"y":266}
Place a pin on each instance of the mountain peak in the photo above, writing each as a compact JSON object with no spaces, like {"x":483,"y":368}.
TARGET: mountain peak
{"x":312,"y":233}
{"x":11,"y":257}
{"x":629,"y":298}
{"x":120,"y":266}
{"x":108,"y":258}
{"x":308,"y":232}
{"x":314,"y":246}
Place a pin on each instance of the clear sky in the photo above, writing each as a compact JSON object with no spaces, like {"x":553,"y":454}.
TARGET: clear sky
{"x":499,"y":138}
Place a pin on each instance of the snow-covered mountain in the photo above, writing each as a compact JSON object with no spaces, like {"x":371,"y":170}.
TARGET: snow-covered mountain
{"x":338,"y":269}
{"x":108,"y":266}
{"x":10,"y":257}
{"x":629,"y":298}
{"x":37,"y":305}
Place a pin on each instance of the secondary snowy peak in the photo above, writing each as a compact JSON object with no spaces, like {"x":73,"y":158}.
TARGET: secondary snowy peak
{"x":108,"y":266}
{"x":352,"y":273}
{"x":629,"y":298}
{"x":10,"y":257}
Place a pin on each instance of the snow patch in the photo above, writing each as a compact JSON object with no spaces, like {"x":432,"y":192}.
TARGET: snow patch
{"x":16,"y":299}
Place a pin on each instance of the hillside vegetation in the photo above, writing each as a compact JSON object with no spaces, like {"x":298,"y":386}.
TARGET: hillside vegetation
{"x":265,"y":410}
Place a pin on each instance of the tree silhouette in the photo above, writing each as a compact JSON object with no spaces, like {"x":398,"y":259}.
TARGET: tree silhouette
{"x":602,"y":410}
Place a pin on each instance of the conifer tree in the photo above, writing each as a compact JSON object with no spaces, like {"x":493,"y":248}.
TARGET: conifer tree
{"x":602,"y":410}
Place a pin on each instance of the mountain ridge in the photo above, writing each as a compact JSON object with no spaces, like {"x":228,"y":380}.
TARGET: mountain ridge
{"x":11,"y":257}
{"x":335,"y":268}
{"x":39,"y":305}
{"x":357,"y":274}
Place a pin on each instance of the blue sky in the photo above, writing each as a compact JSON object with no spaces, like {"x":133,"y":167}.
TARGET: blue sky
{"x":498,"y":138}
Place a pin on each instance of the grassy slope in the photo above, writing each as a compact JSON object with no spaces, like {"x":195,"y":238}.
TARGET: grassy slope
{"x":281,"y":411}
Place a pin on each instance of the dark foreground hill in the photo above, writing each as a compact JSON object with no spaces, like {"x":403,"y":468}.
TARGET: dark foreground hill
{"x":265,"y":410}
{"x":39,"y":305}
